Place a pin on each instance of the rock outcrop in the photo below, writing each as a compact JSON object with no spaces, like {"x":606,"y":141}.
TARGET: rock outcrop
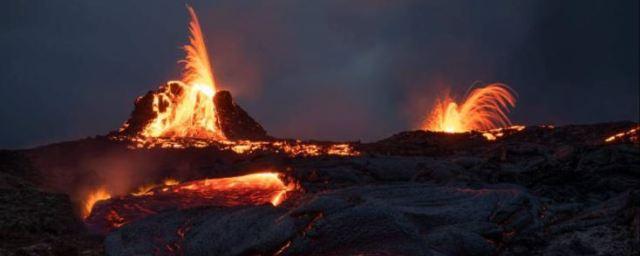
{"x":235,"y":123}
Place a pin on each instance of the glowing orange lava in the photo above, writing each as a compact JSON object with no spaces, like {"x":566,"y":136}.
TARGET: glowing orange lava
{"x":631,"y":135}
{"x":292,"y":148}
{"x":93,"y":197}
{"x":170,"y":182}
{"x":267,"y":181}
{"x":484,"y":108}
{"x":262,"y":186}
{"x":252,"y":189}
{"x":493,"y":134}
{"x":185,"y":108}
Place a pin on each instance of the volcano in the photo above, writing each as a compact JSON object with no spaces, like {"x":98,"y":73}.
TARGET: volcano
{"x":190,"y":172}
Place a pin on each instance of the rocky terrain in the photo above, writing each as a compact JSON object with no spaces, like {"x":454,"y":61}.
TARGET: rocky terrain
{"x":539,"y":191}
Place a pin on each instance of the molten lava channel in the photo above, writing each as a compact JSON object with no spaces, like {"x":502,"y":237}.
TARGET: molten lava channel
{"x":630,"y":135}
{"x":252,"y":189}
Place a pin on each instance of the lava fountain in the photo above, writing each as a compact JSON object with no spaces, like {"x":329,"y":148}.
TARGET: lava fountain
{"x":484,"y":108}
{"x":185,"y":108}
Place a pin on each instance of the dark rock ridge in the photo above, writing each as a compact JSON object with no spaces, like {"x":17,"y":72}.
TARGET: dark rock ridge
{"x":235,"y":123}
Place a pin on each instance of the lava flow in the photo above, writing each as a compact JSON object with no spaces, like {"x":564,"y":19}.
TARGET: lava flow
{"x":630,"y":135}
{"x":483,"y":109}
{"x":292,"y":148}
{"x":93,"y":197}
{"x":252,"y":189}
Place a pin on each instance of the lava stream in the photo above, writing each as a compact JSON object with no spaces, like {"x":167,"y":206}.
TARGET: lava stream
{"x":252,"y":189}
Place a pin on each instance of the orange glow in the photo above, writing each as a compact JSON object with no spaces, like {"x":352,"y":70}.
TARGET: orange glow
{"x":170,"y":182}
{"x":493,"y":134}
{"x":93,"y":197}
{"x":269,"y":182}
{"x":289,"y":147}
{"x":252,"y":189}
{"x":489,"y":136}
{"x":185,"y":108}
{"x":484,"y":108}
{"x":144,"y":190}
{"x":632,"y":134}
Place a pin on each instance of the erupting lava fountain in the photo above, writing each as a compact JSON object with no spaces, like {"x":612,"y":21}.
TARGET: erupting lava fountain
{"x":185,"y":108}
{"x":484,"y":108}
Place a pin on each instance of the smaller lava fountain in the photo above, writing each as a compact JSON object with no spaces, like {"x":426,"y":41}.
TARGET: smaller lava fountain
{"x":484,"y":108}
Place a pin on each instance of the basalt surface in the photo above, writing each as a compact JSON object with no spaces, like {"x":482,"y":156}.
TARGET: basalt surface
{"x":539,"y":191}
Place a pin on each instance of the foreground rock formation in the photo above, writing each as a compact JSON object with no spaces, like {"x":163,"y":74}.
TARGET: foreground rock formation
{"x":539,"y":191}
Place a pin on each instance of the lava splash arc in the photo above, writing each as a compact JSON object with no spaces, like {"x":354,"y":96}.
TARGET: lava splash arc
{"x":484,"y":108}
{"x":185,"y":108}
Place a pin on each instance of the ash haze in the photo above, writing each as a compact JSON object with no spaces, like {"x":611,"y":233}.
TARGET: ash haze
{"x":338,"y":70}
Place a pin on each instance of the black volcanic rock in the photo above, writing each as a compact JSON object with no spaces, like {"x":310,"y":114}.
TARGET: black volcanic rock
{"x":268,"y":227}
{"x":539,"y":191}
{"x":141,"y":115}
{"x":235,"y":123}
{"x":404,"y":219}
{"x":34,"y":221}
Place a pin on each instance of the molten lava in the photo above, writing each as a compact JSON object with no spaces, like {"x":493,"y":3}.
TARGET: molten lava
{"x":294,"y":148}
{"x":484,"y":108}
{"x":493,"y":134}
{"x":630,"y":135}
{"x":93,"y":197}
{"x":258,"y":188}
{"x":252,"y":189}
{"x":185,"y":108}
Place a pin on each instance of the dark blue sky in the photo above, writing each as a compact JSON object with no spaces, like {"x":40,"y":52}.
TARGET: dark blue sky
{"x":315,"y":69}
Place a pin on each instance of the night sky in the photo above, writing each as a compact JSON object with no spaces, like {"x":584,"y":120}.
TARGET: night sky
{"x":339,"y":70}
